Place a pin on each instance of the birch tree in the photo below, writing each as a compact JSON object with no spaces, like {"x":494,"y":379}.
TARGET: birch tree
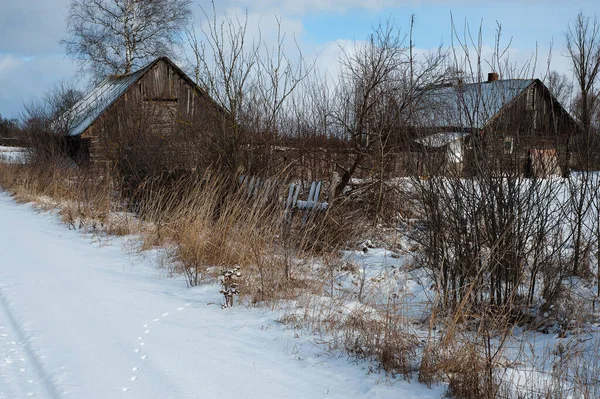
{"x":117,"y":36}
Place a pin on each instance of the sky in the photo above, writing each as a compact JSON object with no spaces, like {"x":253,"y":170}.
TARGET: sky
{"x":32,"y":59}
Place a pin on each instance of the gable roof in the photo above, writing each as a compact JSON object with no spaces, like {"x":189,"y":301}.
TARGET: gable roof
{"x":92,"y":105}
{"x":86,"y":111}
{"x":471,"y":105}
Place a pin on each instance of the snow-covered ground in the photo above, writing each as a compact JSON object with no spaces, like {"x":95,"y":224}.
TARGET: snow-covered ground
{"x":83,"y":317}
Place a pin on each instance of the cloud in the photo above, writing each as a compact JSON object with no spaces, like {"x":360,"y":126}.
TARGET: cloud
{"x":31,"y":59}
{"x":8,"y":63}
{"x":263,"y":25}
{"x":32,"y":27}
{"x":22,"y":79}
{"x":262,"y":30}
{"x":300,"y":7}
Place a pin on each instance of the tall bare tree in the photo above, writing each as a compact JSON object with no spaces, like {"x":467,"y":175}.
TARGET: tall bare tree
{"x":252,"y":79}
{"x":115,"y":36}
{"x":583,"y":50}
{"x":379,"y":86}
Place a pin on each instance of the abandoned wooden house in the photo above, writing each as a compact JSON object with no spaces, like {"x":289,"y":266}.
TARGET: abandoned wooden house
{"x":517,"y":125}
{"x":142,"y":114}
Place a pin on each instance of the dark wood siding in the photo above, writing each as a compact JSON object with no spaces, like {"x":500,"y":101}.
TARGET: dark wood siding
{"x":164,"y":102}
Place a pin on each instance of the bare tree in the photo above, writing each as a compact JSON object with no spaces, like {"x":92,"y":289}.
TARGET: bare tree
{"x":583,"y":50}
{"x":252,"y":81}
{"x":224,"y":62}
{"x":45,"y":123}
{"x":223,"y":66}
{"x":115,"y":36}
{"x":493,"y":237}
{"x":560,"y":86}
{"x":378,"y":89}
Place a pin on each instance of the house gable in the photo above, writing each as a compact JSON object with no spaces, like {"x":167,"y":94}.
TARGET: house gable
{"x":466,"y":106}
{"x":158,"y":108}
{"x":159,"y":82}
{"x":534,"y":112}
{"x":517,"y":105}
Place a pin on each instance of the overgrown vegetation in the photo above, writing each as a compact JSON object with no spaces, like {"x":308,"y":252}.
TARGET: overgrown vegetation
{"x":491,"y":238}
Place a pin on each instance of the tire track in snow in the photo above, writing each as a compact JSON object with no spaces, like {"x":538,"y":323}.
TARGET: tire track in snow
{"x":31,"y":356}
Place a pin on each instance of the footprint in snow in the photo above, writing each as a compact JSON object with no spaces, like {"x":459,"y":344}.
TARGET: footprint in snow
{"x":141,"y":343}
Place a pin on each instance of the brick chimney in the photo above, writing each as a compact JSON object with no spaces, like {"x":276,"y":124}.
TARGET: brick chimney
{"x":492,"y":77}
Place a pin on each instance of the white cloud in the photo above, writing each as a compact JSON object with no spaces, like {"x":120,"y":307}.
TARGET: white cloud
{"x":300,"y":7}
{"x":8,"y":63}
{"x":32,"y":27}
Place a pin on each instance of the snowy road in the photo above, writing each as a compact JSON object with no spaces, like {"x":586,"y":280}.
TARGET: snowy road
{"x":84,"y":320}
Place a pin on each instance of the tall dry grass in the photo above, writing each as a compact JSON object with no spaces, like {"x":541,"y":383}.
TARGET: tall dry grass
{"x":83,"y":199}
{"x":208,"y":224}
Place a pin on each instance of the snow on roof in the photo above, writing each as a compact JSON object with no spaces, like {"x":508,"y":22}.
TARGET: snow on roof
{"x":87,"y":110}
{"x":468,"y":105}
{"x":441,"y":139}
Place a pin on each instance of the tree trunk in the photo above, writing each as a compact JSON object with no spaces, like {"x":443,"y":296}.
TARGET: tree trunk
{"x":347,"y":175}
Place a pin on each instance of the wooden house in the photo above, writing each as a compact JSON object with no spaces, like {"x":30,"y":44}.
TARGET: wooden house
{"x":154,"y":108}
{"x":516,"y":124}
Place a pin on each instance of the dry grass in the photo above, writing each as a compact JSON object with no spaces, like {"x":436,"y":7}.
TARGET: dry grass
{"x":211,"y":226}
{"x":83,"y":200}
{"x":207,"y":224}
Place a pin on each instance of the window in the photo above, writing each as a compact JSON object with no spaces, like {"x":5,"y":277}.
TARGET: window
{"x":508,"y":145}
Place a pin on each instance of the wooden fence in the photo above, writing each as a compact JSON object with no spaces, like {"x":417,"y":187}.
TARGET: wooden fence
{"x":272,"y":190}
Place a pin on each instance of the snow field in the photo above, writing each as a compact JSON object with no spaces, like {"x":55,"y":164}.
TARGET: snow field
{"x":83,"y":319}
